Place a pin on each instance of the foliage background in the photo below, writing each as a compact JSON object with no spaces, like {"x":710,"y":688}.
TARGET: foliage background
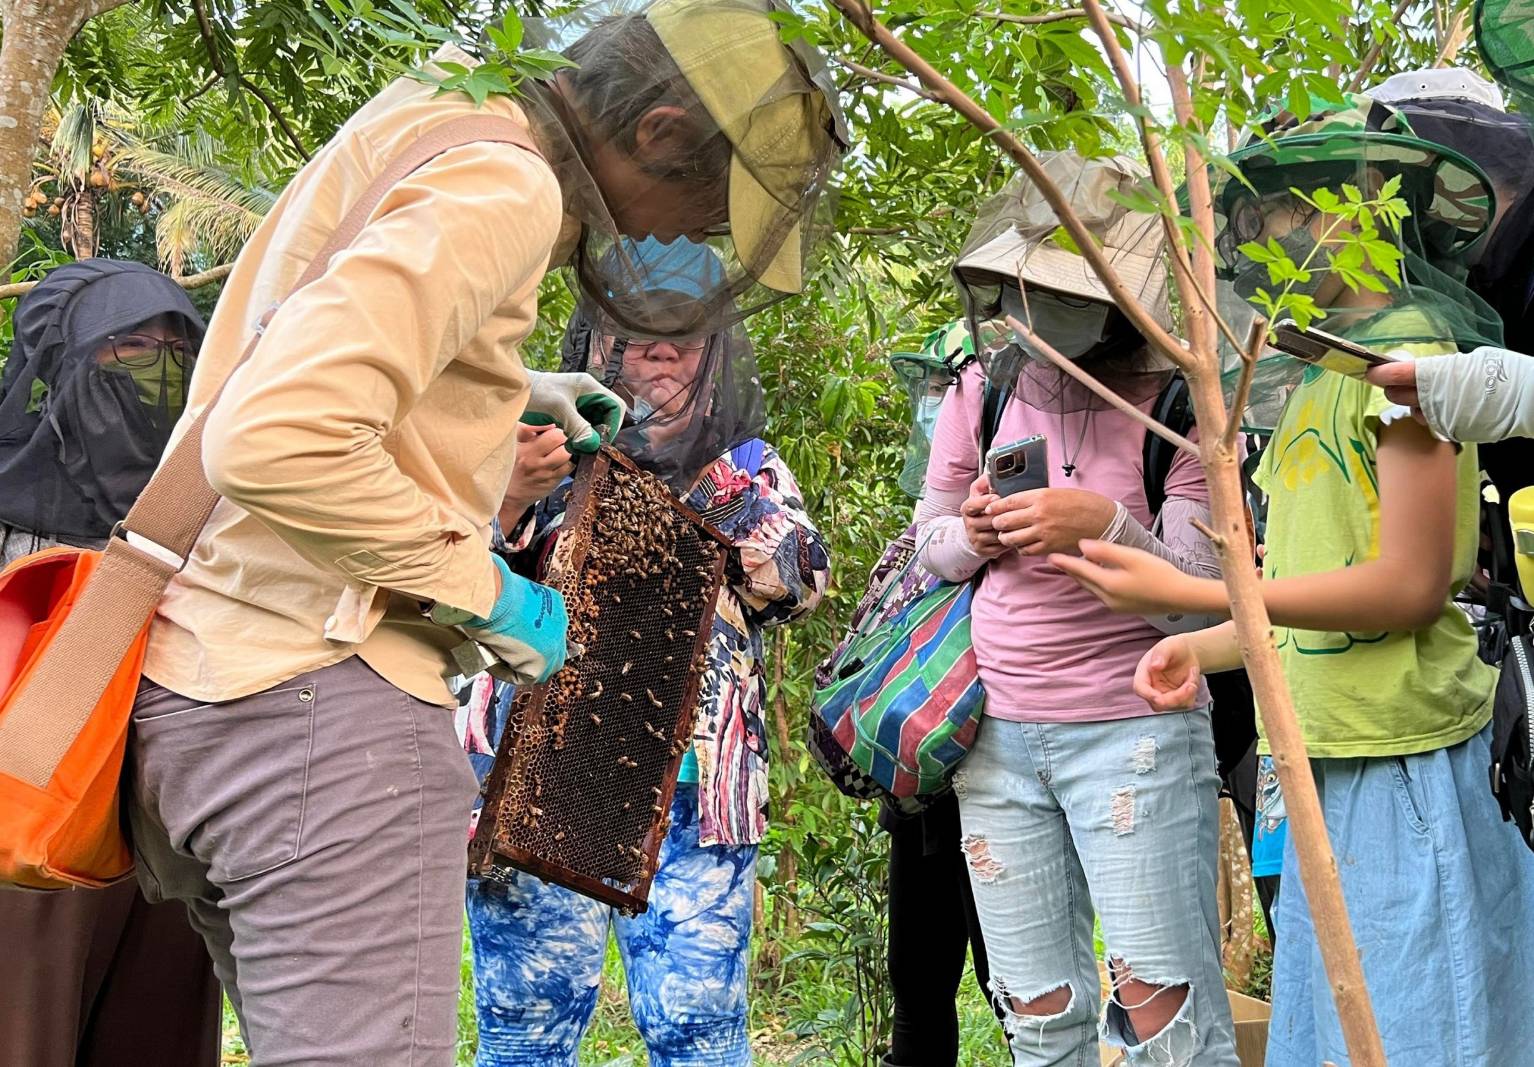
{"x":209,"y":106}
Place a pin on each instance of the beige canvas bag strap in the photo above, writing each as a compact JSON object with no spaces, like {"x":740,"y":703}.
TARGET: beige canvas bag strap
{"x":47,"y":713}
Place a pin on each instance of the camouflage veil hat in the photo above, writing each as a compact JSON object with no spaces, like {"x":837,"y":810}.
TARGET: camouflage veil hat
{"x":1504,"y":35}
{"x":1452,"y":201}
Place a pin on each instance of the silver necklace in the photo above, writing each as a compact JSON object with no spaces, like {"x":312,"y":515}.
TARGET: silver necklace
{"x":1069,"y":466}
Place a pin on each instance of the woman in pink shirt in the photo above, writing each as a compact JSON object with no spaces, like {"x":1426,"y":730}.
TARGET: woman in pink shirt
{"x":1077,"y":799}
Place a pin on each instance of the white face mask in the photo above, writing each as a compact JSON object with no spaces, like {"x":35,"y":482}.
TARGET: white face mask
{"x":1071,"y":326}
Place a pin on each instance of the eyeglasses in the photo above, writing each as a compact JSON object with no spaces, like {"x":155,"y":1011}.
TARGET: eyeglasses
{"x":683,"y":348}
{"x":140,"y":351}
{"x":1246,"y":218}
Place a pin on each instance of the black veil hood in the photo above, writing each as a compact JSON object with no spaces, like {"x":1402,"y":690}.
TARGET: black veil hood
{"x":78,"y":439}
{"x":723,"y":405}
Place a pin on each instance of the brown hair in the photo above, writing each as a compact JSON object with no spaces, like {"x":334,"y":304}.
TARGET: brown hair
{"x":623,"y":72}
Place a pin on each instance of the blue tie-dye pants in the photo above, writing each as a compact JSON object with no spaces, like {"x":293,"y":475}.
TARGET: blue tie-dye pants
{"x":538,"y":951}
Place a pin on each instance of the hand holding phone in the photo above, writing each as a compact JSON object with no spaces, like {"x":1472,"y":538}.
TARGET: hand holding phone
{"x":1327,"y":351}
{"x":1019,"y":466}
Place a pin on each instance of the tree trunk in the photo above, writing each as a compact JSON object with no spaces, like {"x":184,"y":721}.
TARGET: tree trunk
{"x":1238,"y":936}
{"x":36,"y":32}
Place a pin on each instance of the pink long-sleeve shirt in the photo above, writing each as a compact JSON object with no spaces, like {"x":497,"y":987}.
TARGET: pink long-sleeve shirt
{"x":1048,"y":650}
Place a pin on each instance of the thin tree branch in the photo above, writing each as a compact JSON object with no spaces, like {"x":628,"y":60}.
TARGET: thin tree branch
{"x":1453,"y":41}
{"x":1201,"y":317}
{"x":1059,"y":16}
{"x":101,"y":7}
{"x":861,"y":17}
{"x":276,"y":113}
{"x":1256,"y":337}
{"x":210,"y":45}
{"x":1037,"y":344}
{"x":1373,"y":55}
{"x":884,"y":79}
{"x":1148,"y":137}
{"x":210,"y":83}
{"x":191,"y":281}
{"x":1216,"y":539}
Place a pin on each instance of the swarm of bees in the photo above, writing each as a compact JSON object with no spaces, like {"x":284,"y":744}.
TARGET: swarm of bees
{"x":583,"y":785}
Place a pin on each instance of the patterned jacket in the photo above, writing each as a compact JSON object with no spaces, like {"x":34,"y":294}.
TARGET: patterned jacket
{"x":777,"y":572}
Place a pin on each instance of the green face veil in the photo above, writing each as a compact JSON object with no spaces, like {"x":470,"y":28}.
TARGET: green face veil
{"x":928,"y":376}
{"x":1361,"y":145}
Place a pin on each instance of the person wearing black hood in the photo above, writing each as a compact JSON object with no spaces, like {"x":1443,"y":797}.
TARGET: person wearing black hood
{"x":95,"y":379}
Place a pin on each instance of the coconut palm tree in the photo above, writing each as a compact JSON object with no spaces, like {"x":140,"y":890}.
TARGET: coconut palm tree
{"x":103,"y":164}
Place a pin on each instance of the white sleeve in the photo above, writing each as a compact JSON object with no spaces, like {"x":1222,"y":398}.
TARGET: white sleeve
{"x":1480,"y":396}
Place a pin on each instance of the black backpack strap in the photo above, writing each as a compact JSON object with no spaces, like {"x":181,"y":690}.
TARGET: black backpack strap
{"x":1174,"y":410}
{"x":993,"y":402}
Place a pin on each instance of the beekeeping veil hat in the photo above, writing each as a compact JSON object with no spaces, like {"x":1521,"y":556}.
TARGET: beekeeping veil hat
{"x":80,"y":430}
{"x":1362,"y":145}
{"x":927,"y":376}
{"x":1460,"y":110}
{"x":734,"y":134}
{"x":1018,"y":260}
{"x":690,"y":399}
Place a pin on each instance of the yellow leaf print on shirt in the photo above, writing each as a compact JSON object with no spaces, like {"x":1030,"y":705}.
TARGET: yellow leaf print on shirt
{"x":1306,"y":455}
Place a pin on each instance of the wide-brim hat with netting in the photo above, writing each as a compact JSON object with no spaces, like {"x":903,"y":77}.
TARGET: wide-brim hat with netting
{"x":1451,"y":199}
{"x":1018,"y":240}
{"x":761,"y":129}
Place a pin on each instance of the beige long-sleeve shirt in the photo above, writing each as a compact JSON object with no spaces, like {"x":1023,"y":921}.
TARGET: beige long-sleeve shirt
{"x":363,"y":449}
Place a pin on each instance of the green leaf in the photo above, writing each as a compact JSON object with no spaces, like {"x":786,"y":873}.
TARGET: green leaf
{"x":1258,"y":253}
{"x":1298,"y":101}
{"x":1326,"y":200}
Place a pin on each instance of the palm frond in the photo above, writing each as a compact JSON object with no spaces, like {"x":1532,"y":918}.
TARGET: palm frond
{"x":199,"y":227}
{"x":72,"y":141}
{"x":211,"y":211}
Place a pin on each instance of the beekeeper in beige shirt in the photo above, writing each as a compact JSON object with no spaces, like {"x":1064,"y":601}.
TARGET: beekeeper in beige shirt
{"x":294,"y":777}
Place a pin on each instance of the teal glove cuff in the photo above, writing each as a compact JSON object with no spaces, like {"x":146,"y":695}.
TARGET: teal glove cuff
{"x":528,"y":625}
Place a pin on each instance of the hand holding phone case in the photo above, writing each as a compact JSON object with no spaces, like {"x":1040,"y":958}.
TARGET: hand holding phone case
{"x":1019,"y":467}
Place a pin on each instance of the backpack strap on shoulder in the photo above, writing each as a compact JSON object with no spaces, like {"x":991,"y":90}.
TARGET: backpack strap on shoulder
{"x":993,"y":402}
{"x":1174,"y":410}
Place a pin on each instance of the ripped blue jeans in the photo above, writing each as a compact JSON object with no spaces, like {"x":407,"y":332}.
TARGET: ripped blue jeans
{"x":538,"y":952}
{"x":1119,"y":819}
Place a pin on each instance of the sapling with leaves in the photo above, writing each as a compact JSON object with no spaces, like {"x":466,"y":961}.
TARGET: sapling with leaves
{"x":1213,"y":55}
{"x":1349,"y":248}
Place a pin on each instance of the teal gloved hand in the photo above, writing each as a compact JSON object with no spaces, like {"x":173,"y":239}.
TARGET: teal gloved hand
{"x":526,"y":630}
{"x":588,"y":412}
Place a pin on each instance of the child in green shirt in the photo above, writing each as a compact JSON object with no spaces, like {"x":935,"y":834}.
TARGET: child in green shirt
{"x":1372,"y":530}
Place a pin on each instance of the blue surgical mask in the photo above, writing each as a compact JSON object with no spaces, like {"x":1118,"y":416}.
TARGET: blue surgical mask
{"x":1071,"y":326}
{"x":924,"y":413}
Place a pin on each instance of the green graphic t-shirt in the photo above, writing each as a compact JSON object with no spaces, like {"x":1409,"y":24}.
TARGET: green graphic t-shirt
{"x":1364,"y":694}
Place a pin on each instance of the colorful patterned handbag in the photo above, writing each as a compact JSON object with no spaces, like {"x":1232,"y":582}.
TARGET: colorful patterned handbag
{"x":822,"y":745}
{"x":901,"y":697}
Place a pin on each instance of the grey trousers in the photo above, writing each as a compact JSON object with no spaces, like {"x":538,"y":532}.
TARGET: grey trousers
{"x":317,"y":832}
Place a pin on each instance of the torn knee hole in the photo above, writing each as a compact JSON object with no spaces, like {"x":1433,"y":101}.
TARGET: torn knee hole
{"x":1054,"y":1001}
{"x":986,"y":867}
{"x":1132,"y":993}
